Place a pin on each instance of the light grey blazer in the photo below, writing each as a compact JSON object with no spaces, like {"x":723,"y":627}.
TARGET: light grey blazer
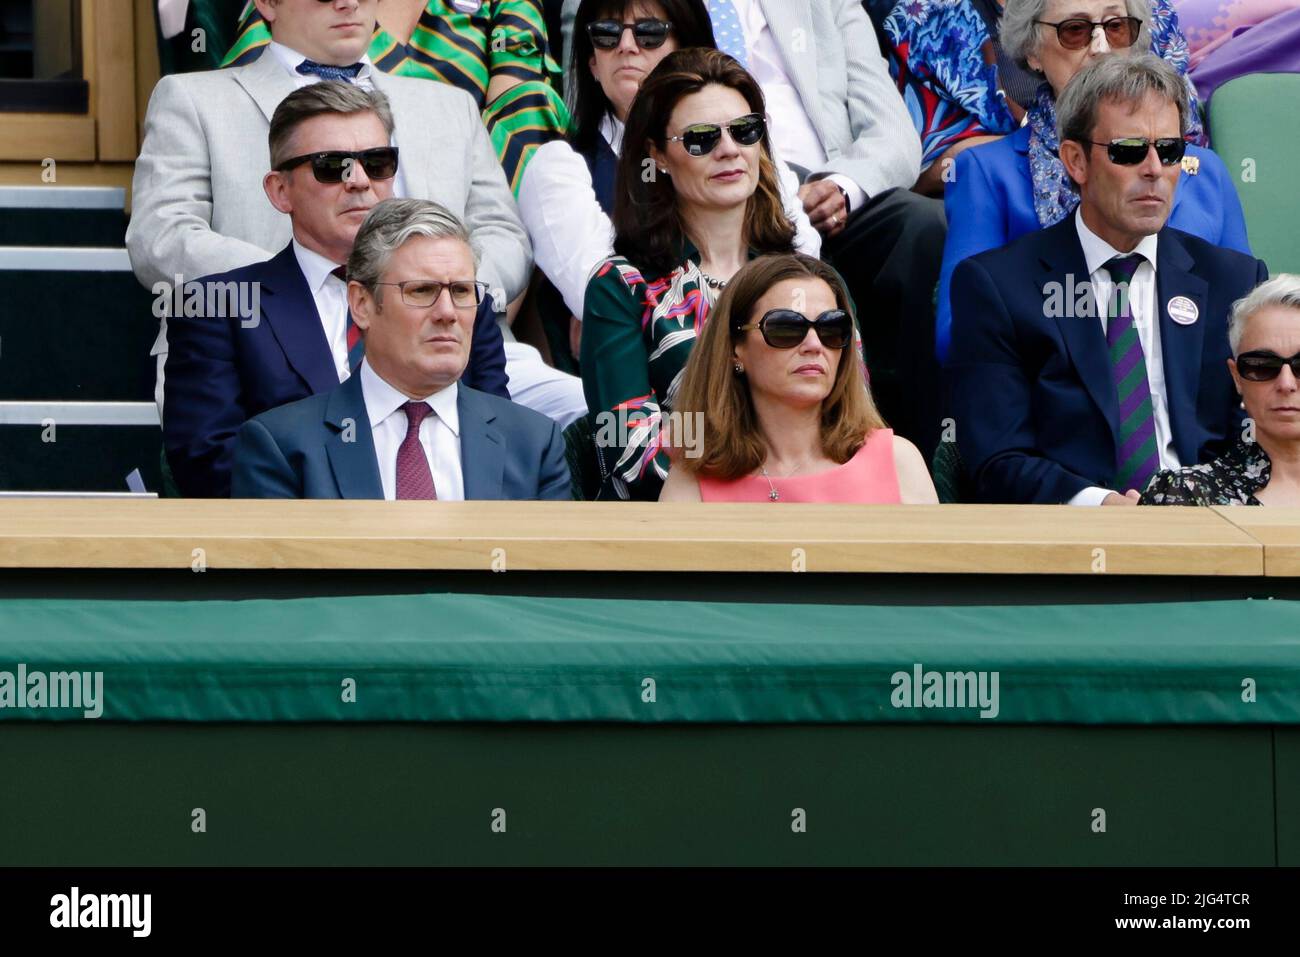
{"x":197,"y":202}
{"x":833,"y":59}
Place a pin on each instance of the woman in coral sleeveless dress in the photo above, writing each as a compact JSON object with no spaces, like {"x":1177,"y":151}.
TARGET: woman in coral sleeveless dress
{"x":774,"y":407}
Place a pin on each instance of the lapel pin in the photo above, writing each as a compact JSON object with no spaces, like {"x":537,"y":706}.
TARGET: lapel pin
{"x":1191,"y":165}
{"x":467,"y":6}
{"x":1182,"y":310}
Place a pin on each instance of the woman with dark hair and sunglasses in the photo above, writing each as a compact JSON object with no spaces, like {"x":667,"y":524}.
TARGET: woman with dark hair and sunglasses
{"x":1263,"y":468}
{"x":777,"y":399}
{"x":1001,"y":190}
{"x":696,"y":198}
{"x":567,"y":194}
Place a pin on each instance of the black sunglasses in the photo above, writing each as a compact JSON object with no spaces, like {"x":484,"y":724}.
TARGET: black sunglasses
{"x":1131,"y":150}
{"x":1076,"y":33}
{"x":785,"y":328}
{"x":701,"y":138}
{"x":1264,"y":366}
{"x":331,"y":166}
{"x":648,"y":33}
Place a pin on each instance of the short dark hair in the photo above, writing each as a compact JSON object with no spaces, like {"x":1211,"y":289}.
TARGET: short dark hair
{"x":328,"y":96}
{"x":647,"y":224}
{"x":587,"y":102}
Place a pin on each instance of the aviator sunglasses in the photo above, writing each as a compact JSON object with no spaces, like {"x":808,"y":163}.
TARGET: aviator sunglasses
{"x":701,"y":138}
{"x":1264,"y":366}
{"x":1076,"y":33}
{"x":648,"y":33}
{"x":331,"y":166}
{"x":1131,"y":150}
{"x":785,"y":328}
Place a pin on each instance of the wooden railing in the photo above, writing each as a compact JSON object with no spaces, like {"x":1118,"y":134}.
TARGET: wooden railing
{"x":594,"y":536}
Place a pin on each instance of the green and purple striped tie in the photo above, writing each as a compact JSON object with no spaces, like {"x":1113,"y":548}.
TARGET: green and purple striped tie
{"x":1138,"y":457}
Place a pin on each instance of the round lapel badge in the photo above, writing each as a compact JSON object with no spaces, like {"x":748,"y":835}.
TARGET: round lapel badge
{"x":1182,"y":310}
{"x":467,"y":6}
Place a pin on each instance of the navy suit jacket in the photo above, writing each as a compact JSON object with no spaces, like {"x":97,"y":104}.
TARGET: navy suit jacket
{"x":322,"y":447}
{"x":220,"y":374}
{"x":990,"y":202}
{"x":1037,"y":418}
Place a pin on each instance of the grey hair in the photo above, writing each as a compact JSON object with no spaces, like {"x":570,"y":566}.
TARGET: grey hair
{"x":1118,"y":79}
{"x":1282,"y":290}
{"x":388,"y":227}
{"x":328,"y":96}
{"x":1020,"y":36}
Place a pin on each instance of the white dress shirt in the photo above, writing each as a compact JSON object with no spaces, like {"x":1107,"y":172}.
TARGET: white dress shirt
{"x":1142,"y":303}
{"x":793,"y":133}
{"x":439,"y":434}
{"x":331,"y":296}
{"x":570,"y":233}
{"x":290,"y":59}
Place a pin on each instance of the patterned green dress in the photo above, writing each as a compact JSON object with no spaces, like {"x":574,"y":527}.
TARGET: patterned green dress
{"x":467,"y":50}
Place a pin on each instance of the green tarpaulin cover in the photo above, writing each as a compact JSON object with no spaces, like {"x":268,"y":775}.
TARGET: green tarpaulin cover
{"x":450,"y":657}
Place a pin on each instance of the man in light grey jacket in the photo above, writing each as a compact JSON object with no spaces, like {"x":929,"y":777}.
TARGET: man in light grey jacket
{"x":198,"y":203}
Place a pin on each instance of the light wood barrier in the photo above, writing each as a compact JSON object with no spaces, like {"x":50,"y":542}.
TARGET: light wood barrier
{"x":1278,"y":532}
{"x":612,"y":537}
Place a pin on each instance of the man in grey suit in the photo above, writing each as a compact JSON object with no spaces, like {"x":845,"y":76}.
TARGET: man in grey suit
{"x":198,"y":203}
{"x":403,"y":426}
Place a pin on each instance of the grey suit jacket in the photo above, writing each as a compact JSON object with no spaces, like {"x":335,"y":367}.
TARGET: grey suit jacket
{"x":197,"y":202}
{"x":833,"y":59}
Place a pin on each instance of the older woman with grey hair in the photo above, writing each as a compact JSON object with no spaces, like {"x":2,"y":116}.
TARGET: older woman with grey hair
{"x":1001,"y":190}
{"x":1263,"y":467}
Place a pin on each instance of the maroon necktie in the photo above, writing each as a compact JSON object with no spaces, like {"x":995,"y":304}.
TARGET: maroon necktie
{"x":354,"y":333}
{"x":414,"y":480}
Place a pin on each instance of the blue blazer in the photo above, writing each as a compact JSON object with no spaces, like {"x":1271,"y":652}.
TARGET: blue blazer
{"x":990,"y":202}
{"x":220,"y":374}
{"x":299,"y":450}
{"x":1038,"y":417}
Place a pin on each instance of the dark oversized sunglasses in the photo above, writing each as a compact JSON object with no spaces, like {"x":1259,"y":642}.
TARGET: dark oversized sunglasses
{"x":648,"y":33}
{"x":701,"y":138}
{"x":331,"y":166}
{"x":1076,"y":33}
{"x":785,"y":328}
{"x":1264,"y":366}
{"x":1131,"y":150}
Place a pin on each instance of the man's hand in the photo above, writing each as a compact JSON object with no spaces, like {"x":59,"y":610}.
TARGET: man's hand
{"x":824,"y":204}
{"x":1128,"y":498}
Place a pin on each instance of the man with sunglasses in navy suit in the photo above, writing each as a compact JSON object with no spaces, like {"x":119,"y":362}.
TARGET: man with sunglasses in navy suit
{"x":286,"y":331}
{"x":1089,"y":355}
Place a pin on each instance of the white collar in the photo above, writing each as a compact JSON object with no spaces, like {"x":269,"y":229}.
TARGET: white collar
{"x":315,"y":267}
{"x":611,"y":127}
{"x":382,"y":400}
{"x":291,"y":59}
{"x":1097,"y":252}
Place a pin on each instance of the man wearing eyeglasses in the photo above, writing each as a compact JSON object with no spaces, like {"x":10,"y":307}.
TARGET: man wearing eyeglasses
{"x":198,"y":204}
{"x":1088,"y":355}
{"x":332,"y":162}
{"x":404,"y":426}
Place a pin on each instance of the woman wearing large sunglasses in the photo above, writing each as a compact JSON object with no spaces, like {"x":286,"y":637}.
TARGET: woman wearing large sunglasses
{"x":1263,"y":467}
{"x":779,"y":402}
{"x":1001,"y":190}
{"x":696,"y":198}
{"x":567,"y":192}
